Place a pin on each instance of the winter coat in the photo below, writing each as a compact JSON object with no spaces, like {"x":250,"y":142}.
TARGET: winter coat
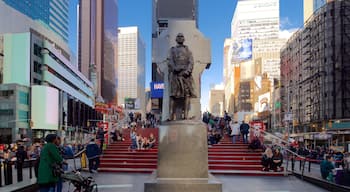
{"x":48,"y":157}
{"x":92,"y":150}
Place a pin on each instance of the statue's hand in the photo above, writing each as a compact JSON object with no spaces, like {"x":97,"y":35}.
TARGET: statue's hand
{"x":186,"y":73}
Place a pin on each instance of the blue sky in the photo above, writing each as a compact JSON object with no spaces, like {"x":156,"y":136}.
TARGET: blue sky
{"x":214,"y":22}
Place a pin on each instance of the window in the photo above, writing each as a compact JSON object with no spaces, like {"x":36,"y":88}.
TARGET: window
{"x":6,"y":112}
{"x":22,"y":115}
{"x":37,"y":67}
{"x":37,"y":50}
{"x":6,"y":94}
{"x":23,"y":98}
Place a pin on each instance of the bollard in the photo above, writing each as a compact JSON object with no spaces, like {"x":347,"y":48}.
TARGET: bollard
{"x":309,"y":166}
{"x":19,"y":170}
{"x":30,"y":169}
{"x":36,"y":166}
{"x":300,"y":165}
{"x":1,"y":173}
{"x":8,"y":172}
{"x":293,"y":163}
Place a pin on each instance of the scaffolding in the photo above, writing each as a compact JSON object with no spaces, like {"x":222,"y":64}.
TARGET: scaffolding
{"x":315,"y":66}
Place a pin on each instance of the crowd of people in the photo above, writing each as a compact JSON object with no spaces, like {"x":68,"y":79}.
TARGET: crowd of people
{"x":141,"y":142}
{"x":135,"y":120}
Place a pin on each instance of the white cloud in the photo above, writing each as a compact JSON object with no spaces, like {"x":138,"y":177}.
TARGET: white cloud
{"x":287,"y":33}
{"x":285,"y":23}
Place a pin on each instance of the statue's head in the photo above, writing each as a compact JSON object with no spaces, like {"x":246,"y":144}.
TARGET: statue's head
{"x":180,"y":39}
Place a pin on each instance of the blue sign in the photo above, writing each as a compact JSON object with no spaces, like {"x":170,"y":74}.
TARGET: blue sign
{"x":157,"y":89}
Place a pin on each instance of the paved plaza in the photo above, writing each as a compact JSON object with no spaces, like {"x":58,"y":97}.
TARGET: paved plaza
{"x":111,"y":182}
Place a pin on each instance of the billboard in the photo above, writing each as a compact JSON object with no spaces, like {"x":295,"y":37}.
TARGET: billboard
{"x":242,"y":50}
{"x":45,"y":107}
{"x":157,"y":89}
{"x":264,"y":102}
{"x":129,"y":103}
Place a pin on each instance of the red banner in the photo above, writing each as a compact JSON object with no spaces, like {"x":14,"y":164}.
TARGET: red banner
{"x":256,"y":128}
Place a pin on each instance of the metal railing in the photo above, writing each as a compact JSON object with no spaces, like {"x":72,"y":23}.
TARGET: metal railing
{"x":6,"y":168}
{"x":289,"y":155}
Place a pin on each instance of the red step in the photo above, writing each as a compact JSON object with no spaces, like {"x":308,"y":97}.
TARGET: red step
{"x":128,"y":160}
{"x":130,"y":165}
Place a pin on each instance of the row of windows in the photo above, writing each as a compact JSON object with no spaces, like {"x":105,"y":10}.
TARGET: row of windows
{"x":6,"y":93}
{"x":6,"y":112}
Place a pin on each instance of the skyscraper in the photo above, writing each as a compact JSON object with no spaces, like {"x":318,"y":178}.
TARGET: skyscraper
{"x":97,"y":53}
{"x":52,"y":13}
{"x":131,"y":68}
{"x":310,"y":6}
{"x":256,"y":19}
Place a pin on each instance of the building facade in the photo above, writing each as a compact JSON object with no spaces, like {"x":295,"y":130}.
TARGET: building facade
{"x":54,"y":14}
{"x":314,"y":71}
{"x":216,"y":100}
{"x":131,"y":68}
{"x":18,"y":22}
{"x":98,"y":47}
{"x":254,"y":51}
{"x":268,"y":50}
{"x":311,"y":6}
{"x":256,"y":19}
{"x":47,"y":94}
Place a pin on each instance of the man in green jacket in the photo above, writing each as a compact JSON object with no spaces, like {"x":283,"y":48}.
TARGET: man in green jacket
{"x":326,"y":167}
{"x":48,"y":157}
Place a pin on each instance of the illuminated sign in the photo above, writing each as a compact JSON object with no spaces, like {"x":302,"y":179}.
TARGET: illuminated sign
{"x":157,"y":89}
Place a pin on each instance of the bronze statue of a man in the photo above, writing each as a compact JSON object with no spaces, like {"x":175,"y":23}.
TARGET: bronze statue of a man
{"x":180,"y":77}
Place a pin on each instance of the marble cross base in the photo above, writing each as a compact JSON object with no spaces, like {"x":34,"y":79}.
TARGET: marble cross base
{"x":183,"y":159}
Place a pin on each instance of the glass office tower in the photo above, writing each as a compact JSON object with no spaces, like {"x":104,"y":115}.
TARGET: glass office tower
{"x":52,"y":13}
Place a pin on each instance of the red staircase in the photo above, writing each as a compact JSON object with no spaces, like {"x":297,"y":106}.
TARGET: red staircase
{"x":228,"y":158}
{"x":118,"y":157}
{"x":224,"y":158}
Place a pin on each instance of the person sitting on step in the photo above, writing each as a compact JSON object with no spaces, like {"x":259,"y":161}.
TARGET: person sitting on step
{"x":151,"y":141}
{"x":139,"y":141}
{"x":211,"y":138}
{"x":217,"y":136}
{"x":266,"y":159}
{"x":144,"y":143}
{"x":255,"y":144}
{"x":277,"y":160}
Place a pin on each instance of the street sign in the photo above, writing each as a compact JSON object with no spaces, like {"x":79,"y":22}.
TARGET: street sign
{"x":288,"y":117}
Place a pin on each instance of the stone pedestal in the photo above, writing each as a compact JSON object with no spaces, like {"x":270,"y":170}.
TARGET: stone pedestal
{"x":183,"y":159}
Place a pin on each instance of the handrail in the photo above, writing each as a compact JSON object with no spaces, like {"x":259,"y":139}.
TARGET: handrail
{"x":293,"y":154}
{"x":284,"y":148}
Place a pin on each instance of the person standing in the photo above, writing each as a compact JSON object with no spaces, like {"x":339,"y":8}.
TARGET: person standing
{"x":244,"y":128}
{"x":101,"y":136}
{"x":235,"y":132}
{"x":49,"y":156}
{"x":21,"y":155}
{"x":93,"y":154}
{"x":327,"y":167}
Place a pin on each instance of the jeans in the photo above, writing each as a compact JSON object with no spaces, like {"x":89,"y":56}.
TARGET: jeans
{"x":245,"y":137}
{"x":47,"y":189}
{"x":234,"y":138}
{"x":59,"y":185}
{"x":101,"y":144}
{"x":94,"y":163}
{"x":133,"y":144}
